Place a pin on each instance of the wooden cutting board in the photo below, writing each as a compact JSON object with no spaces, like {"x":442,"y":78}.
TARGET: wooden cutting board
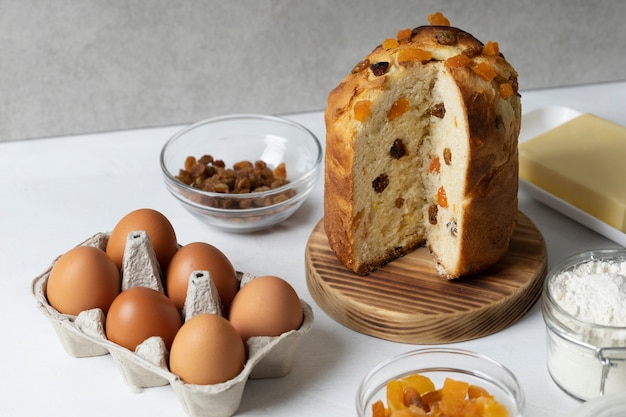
{"x":406,"y":301}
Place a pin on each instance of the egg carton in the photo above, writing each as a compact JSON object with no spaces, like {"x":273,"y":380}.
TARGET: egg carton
{"x":84,"y":335}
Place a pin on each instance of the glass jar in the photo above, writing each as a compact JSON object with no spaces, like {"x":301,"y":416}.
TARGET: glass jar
{"x":585,"y":359}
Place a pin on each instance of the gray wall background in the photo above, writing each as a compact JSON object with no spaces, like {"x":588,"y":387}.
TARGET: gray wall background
{"x":69,"y":67}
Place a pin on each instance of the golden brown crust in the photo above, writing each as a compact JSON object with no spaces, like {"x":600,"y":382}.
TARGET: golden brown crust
{"x":493,"y":122}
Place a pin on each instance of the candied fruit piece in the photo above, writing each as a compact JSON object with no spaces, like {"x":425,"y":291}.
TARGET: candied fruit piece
{"x":390,"y":43}
{"x":458,"y":61}
{"x":453,"y":389}
{"x":360,"y":66}
{"x":474,"y":391}
{"x":491,"y":48}
{"x":435,"y":165}
{"x":414,"y":54}
{"x":398,"y":108}
{"x":442,"y":198}
{"x":404,"y":34}
{"x":395,"y":395}
{"x":405,"y":412}
{"x":484,"y":71}
{"x":488,"y":407}
{"x":378,"y":409}
{"x":506,"y":90}
{"x":362,"y":110}
{"x":438,"y":19}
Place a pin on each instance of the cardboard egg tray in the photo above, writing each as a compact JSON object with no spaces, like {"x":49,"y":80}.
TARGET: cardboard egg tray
{"x":84,"y":335}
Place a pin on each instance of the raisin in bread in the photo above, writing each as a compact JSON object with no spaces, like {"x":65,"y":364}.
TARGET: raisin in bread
{"x":421,"y":149}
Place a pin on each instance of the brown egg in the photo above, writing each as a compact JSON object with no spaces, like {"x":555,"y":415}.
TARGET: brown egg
{"x":266,"y":306}
{"x":157,"y":227}
{"x":139,"y":313}
{"x":81,"y":279}
{"x":207,"y":350}
{"x":200,"y":256}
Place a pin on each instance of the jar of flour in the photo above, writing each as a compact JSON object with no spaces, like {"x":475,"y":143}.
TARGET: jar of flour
{"x":584,"y":308}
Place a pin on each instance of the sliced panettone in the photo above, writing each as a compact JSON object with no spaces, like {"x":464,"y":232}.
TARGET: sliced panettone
{"x":421,"y":149}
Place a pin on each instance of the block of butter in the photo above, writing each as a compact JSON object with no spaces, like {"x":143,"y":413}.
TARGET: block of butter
{"x":583,"y":162}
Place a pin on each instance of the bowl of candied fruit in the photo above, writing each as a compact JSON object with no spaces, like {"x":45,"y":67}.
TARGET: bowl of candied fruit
{"x":440,"y":382}
{"x":242,"y":173}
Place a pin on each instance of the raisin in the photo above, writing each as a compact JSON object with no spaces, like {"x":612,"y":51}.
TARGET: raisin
{"x":205,"y":159}
{"x":361,"y":66}
{"x":380,"y":68}
{"x":412,"y":397}
{"x":380,"y":183}
{"x":446,"y":37}
{"x":499,"y":122}
{"x":447,"y":156}
{"x":438,"y":110}
{"x":399,"y":202}
{"x":397,"y":150}
{"x":432,"y":214}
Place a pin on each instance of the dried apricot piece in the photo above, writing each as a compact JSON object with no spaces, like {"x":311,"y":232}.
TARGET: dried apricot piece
{"x":438,"y":19}
{"x":458,"y":61}
{"x":398,"y":108}
{"x":378,"y":409}
{"x":421,"y":383}
{"x":491,"y":48}
{"x":414,"y":54}
{"x":362,"y":110}
{"x":484,"y":71}
{"x":442,"y":198}
{"x":395,"y":395}
{"x":488,"y":407}
{"x":506,"y":90}
{"x":390,"y":43}
{"x":474,"y":391}
{"x":403,"y":34}
{"x":435,"y":165}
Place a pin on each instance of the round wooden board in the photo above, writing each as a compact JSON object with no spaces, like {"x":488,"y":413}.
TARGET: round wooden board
{"x":406,"y":301}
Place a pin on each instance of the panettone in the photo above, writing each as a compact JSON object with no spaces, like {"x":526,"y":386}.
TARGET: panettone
{"x":421,"y":149}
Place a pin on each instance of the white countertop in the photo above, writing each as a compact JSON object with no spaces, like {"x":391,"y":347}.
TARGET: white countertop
{"x":58,"y":191}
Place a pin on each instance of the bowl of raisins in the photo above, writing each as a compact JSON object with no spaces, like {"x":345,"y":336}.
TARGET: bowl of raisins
{"x":437,"y":382}
{"x":242,"y":173}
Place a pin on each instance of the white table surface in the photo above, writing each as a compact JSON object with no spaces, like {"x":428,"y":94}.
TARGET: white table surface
{"x":56,"y":192}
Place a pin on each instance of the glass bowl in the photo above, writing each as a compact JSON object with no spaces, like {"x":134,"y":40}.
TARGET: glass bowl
{"x":612,"y":405}
{"x":586,"y":358}
{"x":244,"y":137}
{"x":439,"y":364}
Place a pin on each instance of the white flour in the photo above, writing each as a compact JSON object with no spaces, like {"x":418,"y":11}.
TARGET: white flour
{"x":593,"y":292}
